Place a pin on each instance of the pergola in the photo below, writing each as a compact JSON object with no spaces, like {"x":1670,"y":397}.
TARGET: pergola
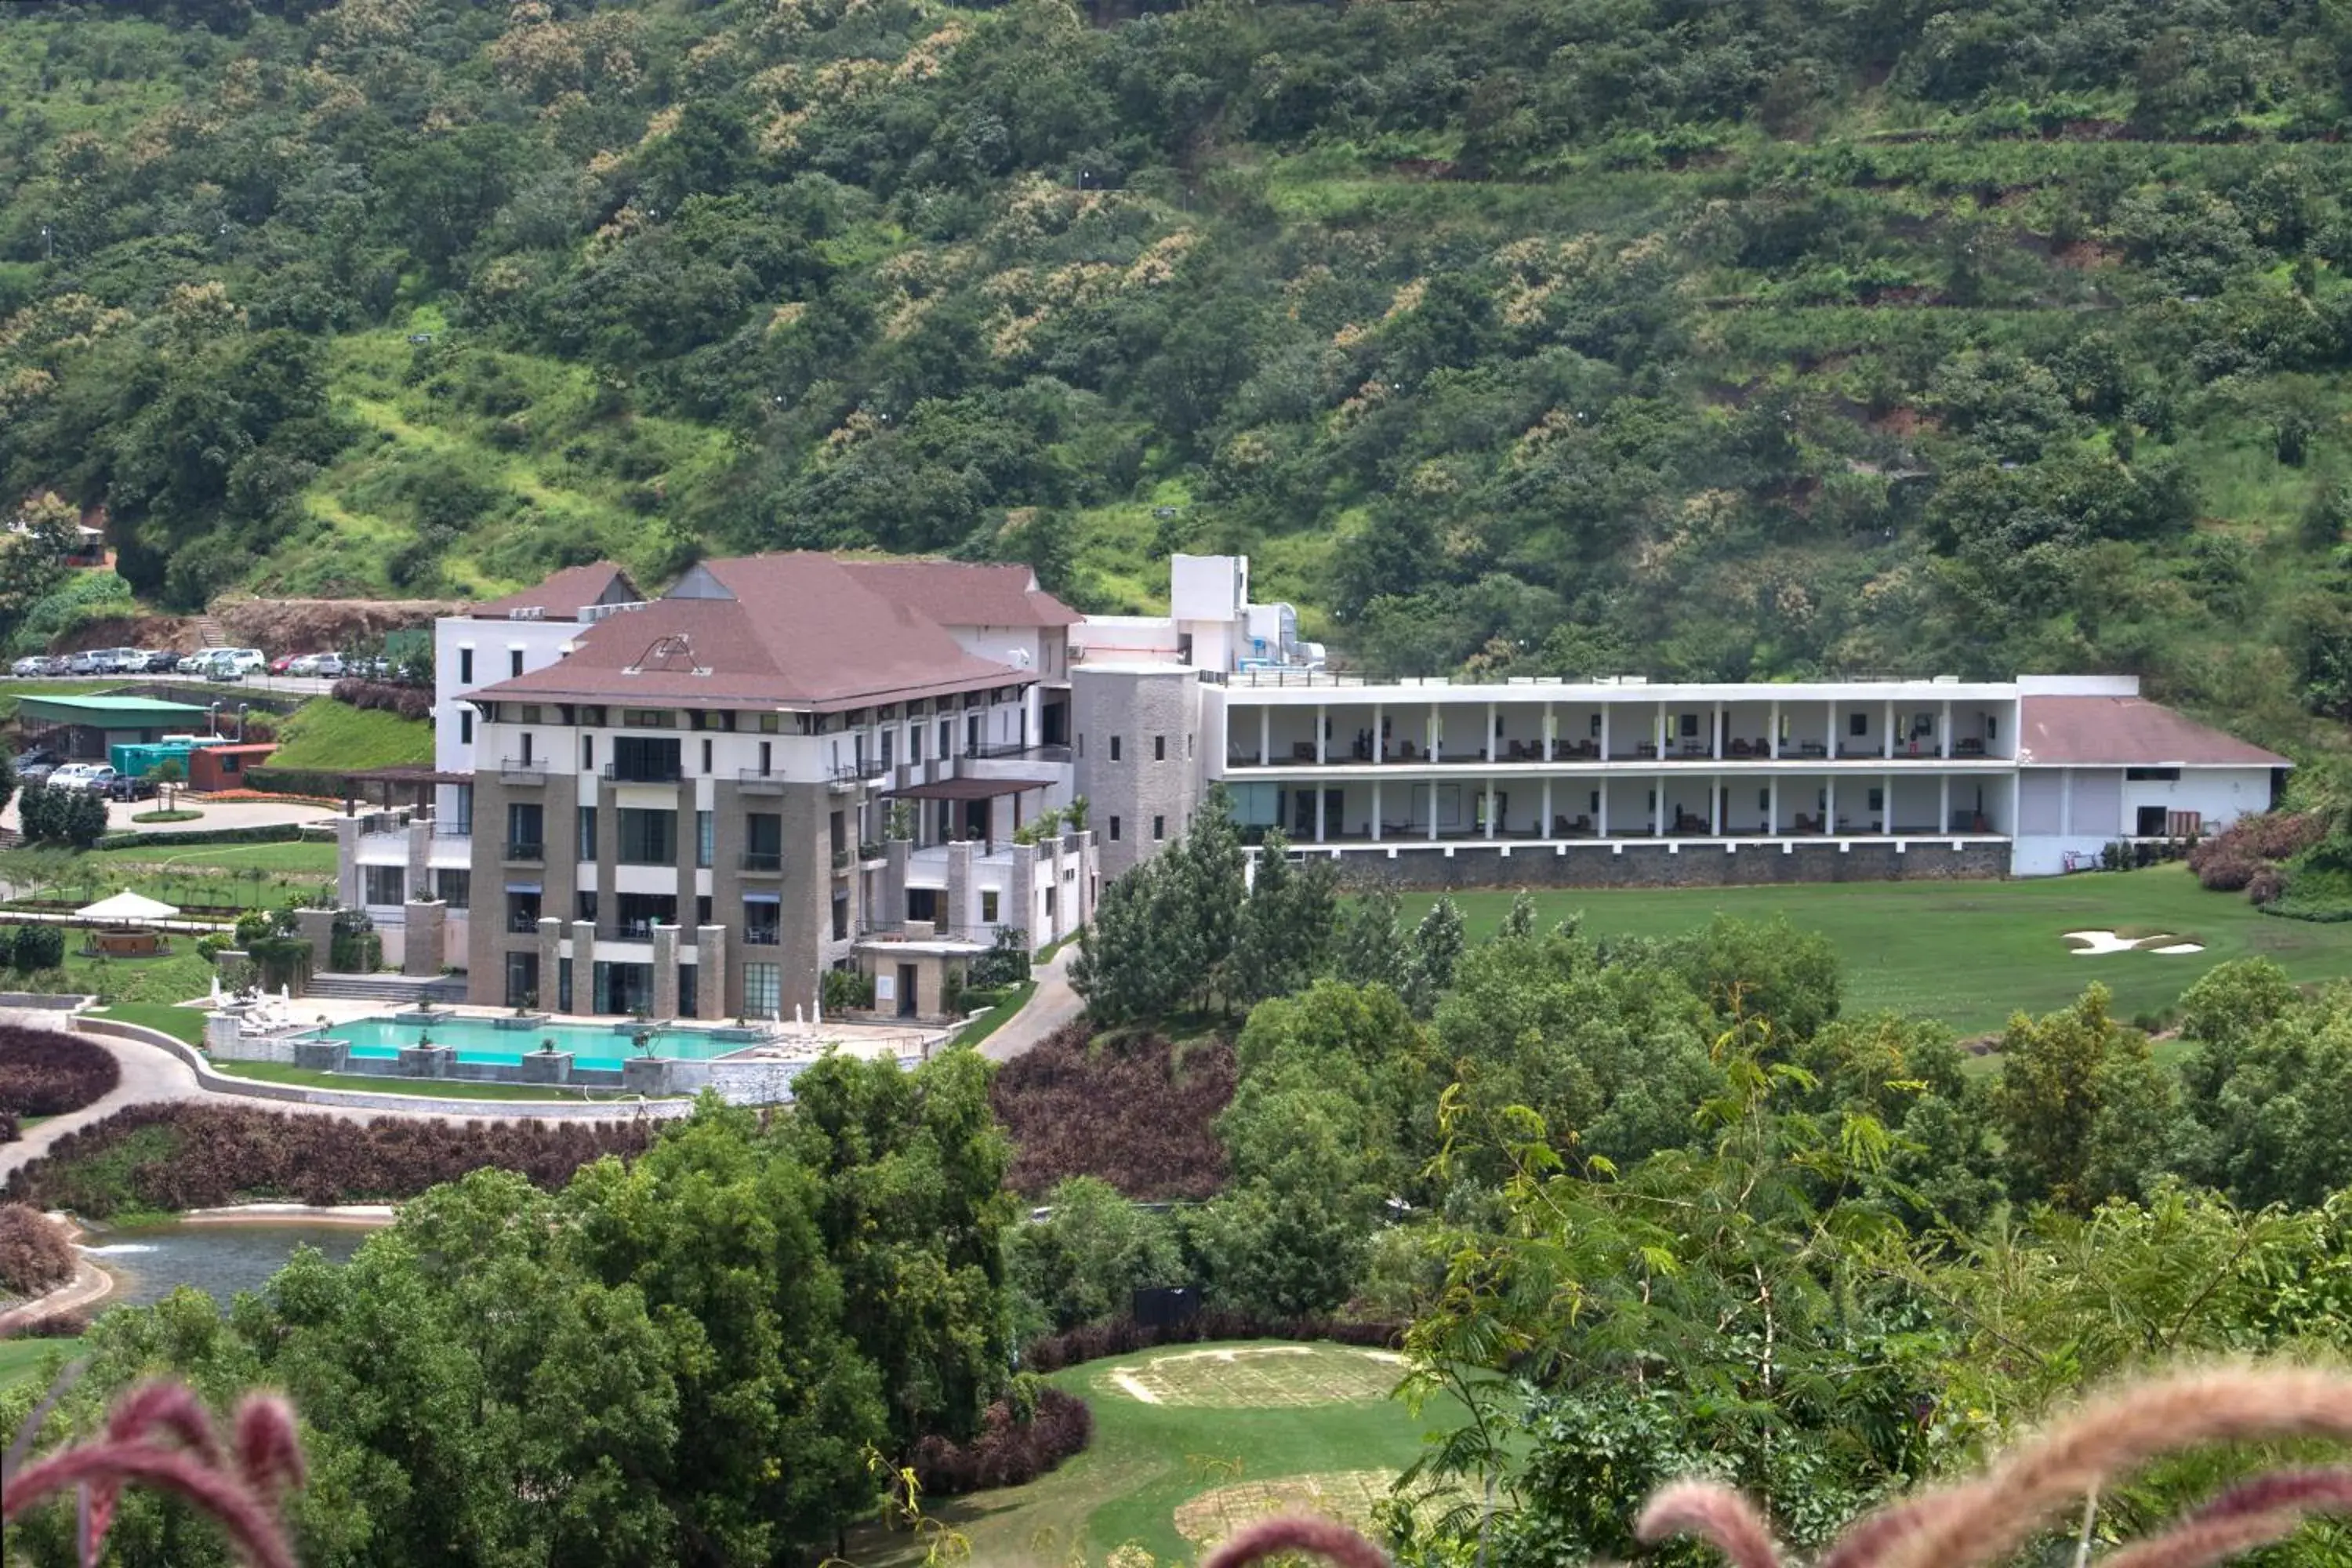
{"x":969,"y":791}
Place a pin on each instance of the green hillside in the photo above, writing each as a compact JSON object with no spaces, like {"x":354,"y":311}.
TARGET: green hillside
{"x":1546,"y":336}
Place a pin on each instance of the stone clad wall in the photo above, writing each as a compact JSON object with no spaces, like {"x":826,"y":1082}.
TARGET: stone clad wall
{"x":1640,"y":865}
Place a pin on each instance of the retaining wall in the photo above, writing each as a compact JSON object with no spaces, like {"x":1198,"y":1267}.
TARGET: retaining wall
{"x":1633,"y":863}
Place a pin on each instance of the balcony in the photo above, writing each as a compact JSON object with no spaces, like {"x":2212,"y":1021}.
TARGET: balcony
{"x":522,"y":925}
{"x":524,"y":852}
{"x":873,"y":852}
{"x":842,"y":861}
{"x":853,"y":773}
{"x":1014,"y":749}
{"x":762,"y":936}
{"x":628,"y":931}
{"x":522,"y":770}
{"x":752,"y":781}
{"x":452,"y":829}
{"x":648,"y":772}
{"x":762,"y":862}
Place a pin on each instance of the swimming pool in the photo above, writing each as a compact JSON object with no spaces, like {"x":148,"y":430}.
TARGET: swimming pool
{"x":501,"y":1042}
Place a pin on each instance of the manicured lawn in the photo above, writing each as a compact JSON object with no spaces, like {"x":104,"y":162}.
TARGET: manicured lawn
{"x":1146,"y":1460}
{"x":26,"y":1361}
{"x":248,"y":875}
{"x":1971,"y":953}
{"x":435,"y":1088}
{"x":336,"y":737}
{"x":180,"y":1023}
{"x":295,"y":857}
{"x":1014,"y":1000}
{"x":177,"y":977}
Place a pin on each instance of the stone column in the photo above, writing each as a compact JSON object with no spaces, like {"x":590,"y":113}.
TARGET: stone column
{"x":583,"y":964}
{"x":422,"y":955}
{"x":420,"y":859}
{"x":896,"y":855}
{"x":711,"y":988}
{"x":347,"y":861}
{"x":1085,"y":911}
{"x":664,"y":971}
{"x":317,"y":927}
{"x":1021,"y":893}
{"x":551,"y":962}
{"x":961,"y":915}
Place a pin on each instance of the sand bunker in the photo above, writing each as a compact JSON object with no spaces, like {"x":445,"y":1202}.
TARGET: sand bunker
{"x":2097,"y":944}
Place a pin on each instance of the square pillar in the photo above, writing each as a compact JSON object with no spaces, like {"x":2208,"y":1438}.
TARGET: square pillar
{"x":711,"y":973}
{"x":1487,"y":748}
{"x":960,"y":899}
{"x":1490,"y":803}
{"x":1322,"y":738}
{"x":1773,"y":739}
{"x":1320,"y":826}
{"x":1886,"y":804}
{"x":1600,"y":820}
{"x":1658,"y":807}
{"x":347,"y":861}
{"x":664,"y":971}
{"x":1264,"y":737}
{"x":584,"y":968}
{"x":1604,"y":738}
{"x":1379,"y":727}
{"x":1772,"y":800}
{"x":1943,"y":804}
{"x":1829,"y":805}
{"x":1376,"y":799}
{"x":1544,"y":822}
{"x":1944,"y":733}
{"x":1715,"y":805}
{"x":1715,"y":733}
{"x":420,"y":857}
{"x":1887,"y":735}
{"x":420,"y":950}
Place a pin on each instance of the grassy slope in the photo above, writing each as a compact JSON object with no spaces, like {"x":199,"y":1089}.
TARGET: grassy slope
{"x":327,"y":735}
{"x":27,"y":1361}
{"x":180,"y":1023}
{"x":1973,"y":952}
{"x":1144,"y":1460}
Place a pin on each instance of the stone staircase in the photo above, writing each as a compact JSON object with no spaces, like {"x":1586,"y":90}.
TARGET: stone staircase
{"x":209,"y":630}
{"x":390,"y":990}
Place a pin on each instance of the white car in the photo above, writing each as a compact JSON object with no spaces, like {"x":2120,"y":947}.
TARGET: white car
{"x":77,"y":775}
{"x":31,"y":664}
{"x":249,"y":659}
{"x":191,"y":664}
{"x":330,"y":665}
{"x":307,"y":665}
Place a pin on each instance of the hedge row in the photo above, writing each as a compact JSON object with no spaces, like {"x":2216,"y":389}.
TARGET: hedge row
{"x":1010,"y":1451}
{"x":34,"y":1256}
{"x":268,"y":833}
{"x":184,"y":1156}
{"x":408,"y":701}
{"x":46,"y":1073}
{"x":1125,"y":1336}
{"x":309,"y":782}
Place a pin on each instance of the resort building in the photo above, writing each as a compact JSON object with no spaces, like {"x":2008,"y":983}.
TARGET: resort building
{"x":695,"y":806}
{"x":1595,"y":782}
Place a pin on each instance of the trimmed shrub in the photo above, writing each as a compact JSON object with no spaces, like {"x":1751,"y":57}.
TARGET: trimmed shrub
{"x":2265,"y":886}
{"x":1125,"y":1336}
{"x":1132,"y":1112}
{"x":1011,"y":1448}
{"x":184,"y":1156}
{"x":2228,"y":872}
{"x":408,"y":701}
{"x":46,"y":1073}
{"x":34,"y":1256}
{"x":40,"y":946}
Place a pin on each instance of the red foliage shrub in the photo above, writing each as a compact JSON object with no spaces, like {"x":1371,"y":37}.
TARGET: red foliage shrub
{"x":9,"y":1131}
{"x":1131,"y":1113}
{"x":1125,"y":1336}
{"x":44,"y":1072}
{"x":408,"y":701}
{"x":2228,"y":860}
{"x":67,"y":1325}
{"x":1007,"y":1452}
{"x":201,"y":1156}
{"x":2266,"y":886}
{"x":34,"y":1256}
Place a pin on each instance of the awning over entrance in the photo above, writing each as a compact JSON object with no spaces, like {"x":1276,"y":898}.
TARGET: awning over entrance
{"x":963,"y":789}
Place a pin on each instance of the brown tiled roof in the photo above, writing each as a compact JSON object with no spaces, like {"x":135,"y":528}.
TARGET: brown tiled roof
{"x":800,"y":631}
{"x":2126,"y":732}
{"x":563,"y":596}
{"x":964,"y":593}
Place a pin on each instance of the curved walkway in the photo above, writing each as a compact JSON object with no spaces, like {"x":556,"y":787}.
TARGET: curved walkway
{"x":1050,"y":1008}
{"x":153,"y":1073}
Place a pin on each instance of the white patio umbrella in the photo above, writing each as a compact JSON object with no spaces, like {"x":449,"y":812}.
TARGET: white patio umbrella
{"x":127,"y":908}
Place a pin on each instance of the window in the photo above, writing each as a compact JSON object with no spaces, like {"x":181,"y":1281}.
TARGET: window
{"x":465,"y":666}
{"x":645,"y":718}
{"x":643,"y":758}
{"x":514,"y":661}
{"x":767,"y":758}
{"x":1993,"y":728}
{"x":772,"y":723}
{"x":1594,"y":806}
{"x":988,"y":906}
{"x":761,"y":925}
{"x":522,"y":979}
{"x":1158,"y":828}
{"x":1113,"y":830}
{"x":648,"y":837}
{"x":1763,"y":799}
{"x":1594,"y":727}
{"x":763,"y":841}
{"x":590,"y":714}
{"x":526,"y":831}
{"x":1158,"y":747}
{"x":231,"y":763}
{"x":1114,"y":748}
{"x":587,"y":754}
{"x":583,"y":906}
{"x":455,"y":888}
{"x":1878,"y":800}
{"x":530,"y":714}
{"x":763,"y":994}
{"x":705,"y":756}
{"x":915,"y":744}
{"x":1686,"y":726}
{"x":705,"y":838}
{"x":466,"y":726}
{"x":2153,"y":775}
{"x":386,"y":884}
{"x":841,"y":917}
{"x":587,"y":817}
{"x":526,"y":748}
{"x":702,"y":910}
{"x":462,"y":805}
{"x":1857,"y":723}
{"x":522,"y":910}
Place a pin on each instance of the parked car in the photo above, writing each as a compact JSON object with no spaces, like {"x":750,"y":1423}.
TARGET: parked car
{"x":31,"y":664}
{"x":331,"y":665}
{"x":190,"y":663}
{"x":277,"y":666}
{"x":130,"y":786}
{"x":219,"y":664}
{"x":36,"y":765}
{"x":56,"y":664}
{"x":304,"y":665}
{"x":250,"y":661}
{"x":81,"y":775}
{"x":163,"y":661}
{"x":82,"y":664}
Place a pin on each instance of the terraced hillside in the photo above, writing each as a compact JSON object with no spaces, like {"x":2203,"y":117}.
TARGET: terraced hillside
{"x":1553,"y":335}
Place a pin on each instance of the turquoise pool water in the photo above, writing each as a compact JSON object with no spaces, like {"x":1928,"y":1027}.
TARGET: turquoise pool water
{"x":482,"y":1041}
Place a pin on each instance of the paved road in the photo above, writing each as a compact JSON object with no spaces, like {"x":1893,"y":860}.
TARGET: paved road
{"x":1054,"y":1005}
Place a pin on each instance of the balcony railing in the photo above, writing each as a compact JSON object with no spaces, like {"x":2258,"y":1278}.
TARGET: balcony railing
{"x":850,"y":773}
{"x":759,"y":779}
{"x":870,"y":849}
{"x":453,"y":829}
{"x":523,"y":849}
{"x":762,"y":936}
{"x":522,"y":770}
{"x":1019,"y":749}
{"x":642,"y":772}
{"x":629,"y":930}
{"x":523,"y":924}
{"x":769,"y":861}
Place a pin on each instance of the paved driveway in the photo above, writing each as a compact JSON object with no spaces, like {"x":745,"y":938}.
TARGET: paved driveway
{"x":1053,"y":1007}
